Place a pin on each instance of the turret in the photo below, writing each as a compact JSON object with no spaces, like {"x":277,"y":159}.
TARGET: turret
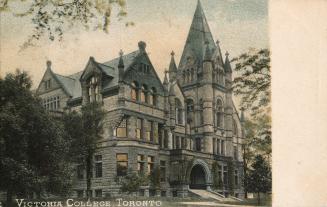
{"x":121,"y":66}
{"x":172,"y":68}
{"x":121,"y":94}
{"x":165,"y":82}
{"x":228,"y":71}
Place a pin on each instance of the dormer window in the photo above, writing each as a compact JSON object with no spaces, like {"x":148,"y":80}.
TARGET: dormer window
{"x":144,"y":68}
{"x":93,"y":89}
{"x":47,"y":84}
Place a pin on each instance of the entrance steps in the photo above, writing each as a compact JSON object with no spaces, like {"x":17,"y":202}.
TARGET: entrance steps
{"x":210,"y":194}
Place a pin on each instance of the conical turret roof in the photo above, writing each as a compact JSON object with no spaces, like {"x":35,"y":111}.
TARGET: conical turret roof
{"x":198,"y":35}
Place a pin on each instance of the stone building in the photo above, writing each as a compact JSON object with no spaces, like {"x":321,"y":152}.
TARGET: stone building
{"x":182,"y":126}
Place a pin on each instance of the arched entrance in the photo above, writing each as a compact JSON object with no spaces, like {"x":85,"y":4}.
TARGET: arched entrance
{"x":197,"y":178}
{"x":199,"y":175}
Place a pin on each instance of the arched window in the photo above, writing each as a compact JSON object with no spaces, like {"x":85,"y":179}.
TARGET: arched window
{"x":219,"y":114}
{"x":190,"y":110}
{"x":201,"y":111}
{"x":134,"y":91}
{"x":179,"y":111}
{"x":234,"y":128}
{"x":198,"y":144}
{"x":188,"y":76}
{"x":184,"y":77}
{"x":144,"y":95}
{"x":93,"y":89}
{"x":153,"y":97}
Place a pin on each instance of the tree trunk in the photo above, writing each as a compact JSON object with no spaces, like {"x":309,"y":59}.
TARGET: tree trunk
{"x":9,"y":197}
{"x":88,"y":176}
{"x":259,"y":198}
{"x":244,"y":176}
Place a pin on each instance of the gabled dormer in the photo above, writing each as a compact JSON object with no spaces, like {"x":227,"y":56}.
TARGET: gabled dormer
{"x":54,"y":89}
{"x":49,"y":81}
{"x":141,"y":76}
{"x":92,"y":80}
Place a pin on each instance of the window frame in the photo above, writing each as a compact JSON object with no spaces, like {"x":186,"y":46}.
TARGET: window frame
{"x":120,"y":172}
{"x":98,"y":166}
{"x":150,"y":164}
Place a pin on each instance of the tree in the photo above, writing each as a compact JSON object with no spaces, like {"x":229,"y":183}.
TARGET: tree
{"x":155,"y":177}
{"x":85,"y":130}
{"x":253,"y":85}
{"x":253,"y":80}
{"x":53,"y":18}
{"x":33,"y":145}
{"x":259,"y":180}
{"x":133,"y":181}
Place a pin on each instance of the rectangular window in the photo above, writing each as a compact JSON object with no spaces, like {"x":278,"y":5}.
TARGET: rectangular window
{"x":177,"y":142}
{"x":80,"y":193}
{"x":149,"y":133}
{"x":122,"y":164}
{"x":236,"y":177}
{"x":80,"y":172}
{"x":165,"y":139}
{"x":98,"y":193}
{"x":162,"y":171}
{"x":140,"y":163}
{"x":225,"y":175}
{"x":150,"y":164}
{"x":183,"y":142}
{"x":121,"y":131}
{"x":48,"y":84}
{"x":220,"y":178}
{"x":222,"y":147}
{"x":235,"y":152}
{"x":219,"y":146}
{"x":98,"y":166}
{"x":138,"y":129}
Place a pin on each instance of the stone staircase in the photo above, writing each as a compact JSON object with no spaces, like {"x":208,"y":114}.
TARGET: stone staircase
{"x":210,"y":194}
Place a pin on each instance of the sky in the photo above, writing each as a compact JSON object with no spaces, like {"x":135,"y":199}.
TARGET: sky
{"x":162,"y":24}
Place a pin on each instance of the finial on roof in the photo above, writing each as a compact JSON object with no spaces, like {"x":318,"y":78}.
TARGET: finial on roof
{"x":172,"y":68}
{"x":92,"y":58}
{"x":172,"y":53}
{"x":217,"y":42}
{"x":228,"y":68}
{"x":142,"y":46}
{"x":165,"y":82}
{"x":121,"y":61}
{"x":49,"y":64}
